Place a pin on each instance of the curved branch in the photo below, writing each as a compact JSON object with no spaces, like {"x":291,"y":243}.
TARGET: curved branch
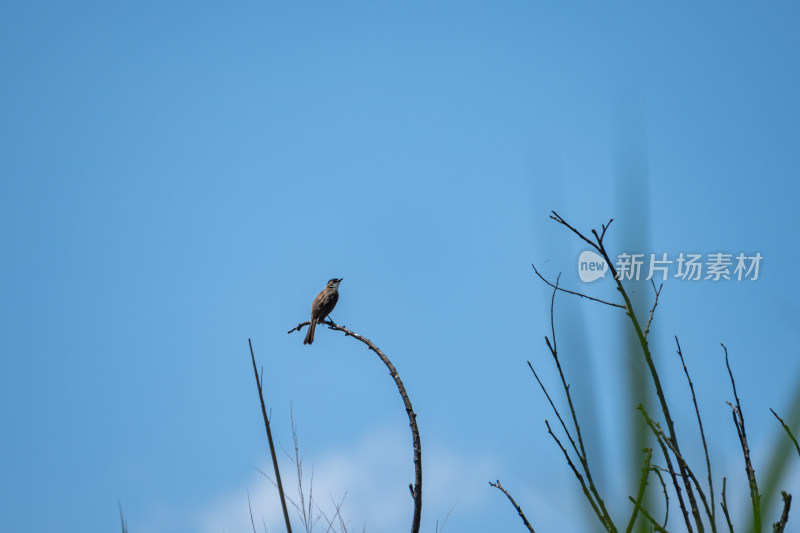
{"x":416,"y":489}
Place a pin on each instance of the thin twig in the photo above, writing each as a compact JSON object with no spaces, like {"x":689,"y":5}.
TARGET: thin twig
{"x":555,"y":410}
{"x":648,"y":455}
{"x":653,"y":309}
{"x":555,"y":216}
{"x":656,"y":525}
{"x":554,"y":352}
{"x":666,"y":496}
{"x":738,"y":420}
{"x":337,"y":507}
{"x":604,"y":516}
{"x":446,"y":518}
{"x":500,"y":487}
{"x":780,"y":525}
{"x":575,"y":293}
{"x":578,"y":475}
{"x":789,"y":431}
{"x":122,"y":518}
{"x":305,"y":512}
{"x":299,"y":326}
{"x":289,"y":499}
{"x":724,"y":505}
{"x":250,"y":507}
{"x":269,"y":438}
{"x":688,"y":475}
{"x":712,"y":516}
{"x":670,"y":470}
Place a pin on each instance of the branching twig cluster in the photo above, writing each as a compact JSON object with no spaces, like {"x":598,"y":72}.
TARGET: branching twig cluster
{"x":308,"y":511}
{"x":691,"y":494}
{"x":583,"y":474}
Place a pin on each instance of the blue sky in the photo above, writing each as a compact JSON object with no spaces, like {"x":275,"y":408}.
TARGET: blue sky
{"x":180,"y":177}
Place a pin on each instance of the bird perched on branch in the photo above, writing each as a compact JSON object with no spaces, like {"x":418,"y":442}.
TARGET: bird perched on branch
{"x":322,"y":306}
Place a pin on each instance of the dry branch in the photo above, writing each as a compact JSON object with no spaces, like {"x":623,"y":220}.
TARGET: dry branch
{"x":556,"y":287}
{"x":269,"y":438}
{"x":780,"y":525}
{"x":585,"y":479}
{"x":738,"y":420}
{"x":724,"y":505}
{"x":416,"y":491}
{"x":499,"y":486}
{"x":653,"y":309}
{"x":712,"y":516}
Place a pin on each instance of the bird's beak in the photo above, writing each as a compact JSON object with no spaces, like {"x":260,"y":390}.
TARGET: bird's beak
{"x":341,"y":279}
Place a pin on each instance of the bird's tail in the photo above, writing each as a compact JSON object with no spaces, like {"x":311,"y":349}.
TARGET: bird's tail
{"x":310,"y":334}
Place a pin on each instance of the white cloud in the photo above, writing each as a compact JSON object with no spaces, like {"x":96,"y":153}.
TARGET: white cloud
{"x":373,"y":476}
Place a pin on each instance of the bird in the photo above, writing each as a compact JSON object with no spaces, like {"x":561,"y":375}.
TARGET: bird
{"x":322,"y":306}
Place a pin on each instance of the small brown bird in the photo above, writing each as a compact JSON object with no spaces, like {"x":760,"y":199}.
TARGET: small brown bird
{"x":322,"y":306}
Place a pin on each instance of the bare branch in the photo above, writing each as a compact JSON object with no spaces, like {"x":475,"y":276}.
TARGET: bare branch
{"x":555,"y":410}
{"x":269,"y":438}
{"x":653,"y":309}
{"x":656,"y":525}
{"x":738,"y":420}
{"x":664,"y":451}
{"x":780,"y":525}
{"x":299,"y":326}
{"x":500,"y":487}
{"x":605,"y":517}
{"x":724,"y":505}
{"x":250,"y":507}
{"x":337,"y":507}
{"x":673,"y":438}
{"x":412,"y":416}
{"x":605,"y":227}
{"x":666,"y":496}
{"x":555,"y":216}
{"x":578,"y":475}
{"x":573,"y":292}
{"x":600,"y":247}
{"x":713,"y":515}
